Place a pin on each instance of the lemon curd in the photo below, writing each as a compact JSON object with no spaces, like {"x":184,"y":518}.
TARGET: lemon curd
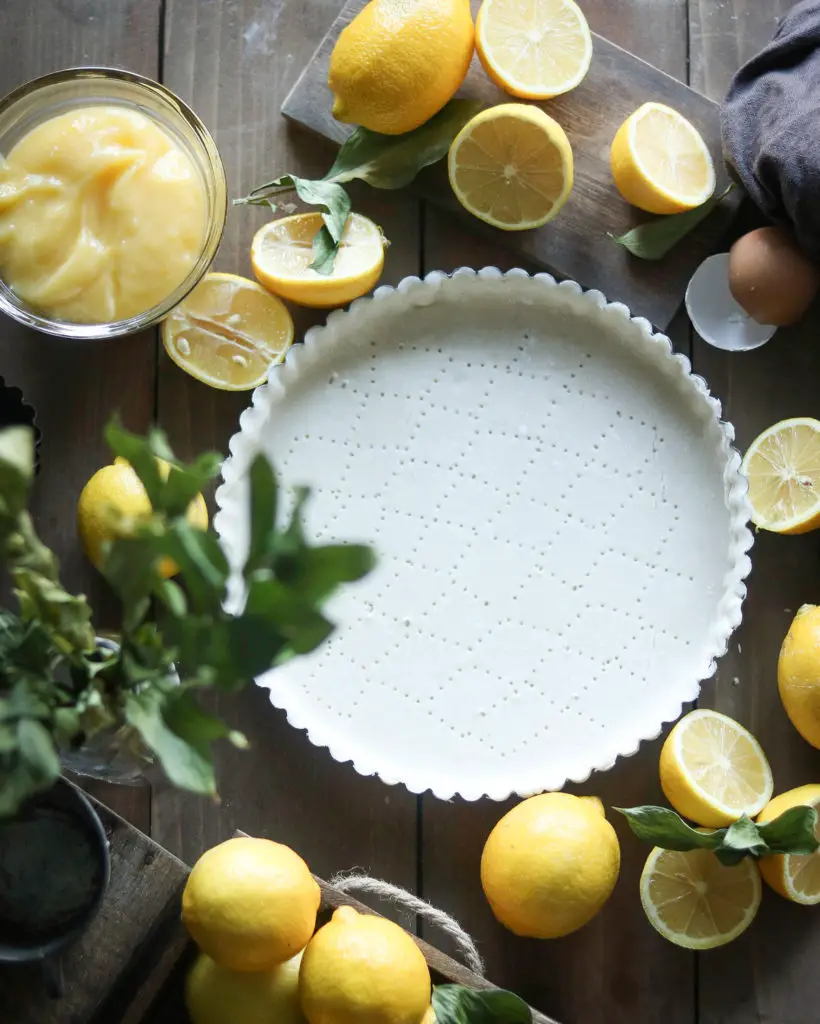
{"x":103,"y":214}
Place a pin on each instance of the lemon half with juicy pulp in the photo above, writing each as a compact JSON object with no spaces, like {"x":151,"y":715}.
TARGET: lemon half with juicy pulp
{"x":535,"y":49}
{"x":795,"y":876}
{"x":282,"y":252}
{"x":695,"y":901}
{"x":660,"y":162}
{"x":511,"y":166}
{"x":713,"y":770}
{"x":228,"y":332}
{"x":782,"y":466}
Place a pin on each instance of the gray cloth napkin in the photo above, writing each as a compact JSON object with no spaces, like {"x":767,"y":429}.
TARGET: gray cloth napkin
{"x":771,"y":126}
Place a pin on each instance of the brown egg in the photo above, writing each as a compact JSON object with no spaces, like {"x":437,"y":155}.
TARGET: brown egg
{"x":771,"y":278}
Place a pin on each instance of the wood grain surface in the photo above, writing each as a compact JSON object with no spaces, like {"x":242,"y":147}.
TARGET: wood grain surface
{"x":576,"y":243}
{"x":236,"y":61}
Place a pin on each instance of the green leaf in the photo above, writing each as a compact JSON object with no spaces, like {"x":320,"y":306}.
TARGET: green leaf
{"x":142,"y":454}
{"x":194,"y":724}
{"x":329,"y":196}
{"x":456,"y":1004}
{"x":661,"y":826}
{"x":316,"y":572}
{"x":173,"y":597}
{"x":334,"y":202}
{"x":263,"y":499}
{"x":393,"y":161}
{"x":653,"y":240}
{"x":185,"y":483}
{"x":37,"y":749}
{"x":324,"y":252}
{"x":299,"y":623}
{"x":187,"y":765}
{"x":16,"y":469}
{"x":792,"y":832}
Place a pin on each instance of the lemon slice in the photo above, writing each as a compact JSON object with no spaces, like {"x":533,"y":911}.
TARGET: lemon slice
{"x":511,"y":166}
{"x":536,"y":48}
{"x":282,"y":251}
{"x":695,"y":901}
{"x":713,"y":770}
{"x":660,"y":162}
{"x":228,"y":332}
{"x":795,"y":876}
{"x":782,"y":466}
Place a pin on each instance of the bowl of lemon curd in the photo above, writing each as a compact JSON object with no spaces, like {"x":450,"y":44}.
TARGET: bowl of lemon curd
{"x":112,"y":202}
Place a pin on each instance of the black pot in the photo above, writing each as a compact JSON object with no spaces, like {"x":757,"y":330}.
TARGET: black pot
{"x":54,"y":871}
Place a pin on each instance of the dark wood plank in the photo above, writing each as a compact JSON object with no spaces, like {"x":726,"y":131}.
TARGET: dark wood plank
{"x":770,"y":973}
{"x":616,"y":970}
{"x":235,"y":61}
{"x":575,"y":244}
{"x":138,"y":917}
{"x":75,"y":387}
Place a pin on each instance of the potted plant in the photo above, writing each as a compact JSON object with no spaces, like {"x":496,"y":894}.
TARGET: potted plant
{"x":62,"y":687}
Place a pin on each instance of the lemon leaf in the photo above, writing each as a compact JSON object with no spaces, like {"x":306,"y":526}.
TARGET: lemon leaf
{"x":663,"y":827}
{"x":791,"y":832}
{"x":457,"y":1004}
{"x":653,"y":240}
{"x":393,"y":161}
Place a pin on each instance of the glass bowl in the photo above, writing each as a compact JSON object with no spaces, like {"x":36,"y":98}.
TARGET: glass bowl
{"x":44,"y":98}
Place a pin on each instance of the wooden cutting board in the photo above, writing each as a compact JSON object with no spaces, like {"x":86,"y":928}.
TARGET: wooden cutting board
{"x":575,"y":244}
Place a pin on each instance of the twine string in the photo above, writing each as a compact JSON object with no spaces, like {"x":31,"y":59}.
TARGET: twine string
{"x":399,"y":897}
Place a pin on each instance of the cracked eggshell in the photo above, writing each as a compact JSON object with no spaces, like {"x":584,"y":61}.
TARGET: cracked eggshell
{"x":716,"y":315}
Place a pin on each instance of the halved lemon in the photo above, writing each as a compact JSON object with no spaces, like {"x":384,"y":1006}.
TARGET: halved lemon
{"x":511,"y":166}
{"x":795,"y":876}
{"x":228,"y":332}
{"x":282,"y":251}
{"x":713,"y":770}
{"x":695,"y":901}
{"x":534,"y":48}
{"x":782,"y":466}
{"x":660,"y":162}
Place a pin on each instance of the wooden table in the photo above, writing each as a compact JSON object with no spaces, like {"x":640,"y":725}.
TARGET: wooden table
{"x":234,"y":61}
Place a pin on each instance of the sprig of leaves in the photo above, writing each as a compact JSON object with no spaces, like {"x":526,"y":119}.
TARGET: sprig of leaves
{"x":791,"y":832}
{"x":654,"y":239}
{"x":456,"y":1004}
{"x":58,"y":689}
{"x":383,"y":161}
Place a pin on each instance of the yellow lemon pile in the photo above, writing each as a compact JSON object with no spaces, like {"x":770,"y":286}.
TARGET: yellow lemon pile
{"x":251,"y":907}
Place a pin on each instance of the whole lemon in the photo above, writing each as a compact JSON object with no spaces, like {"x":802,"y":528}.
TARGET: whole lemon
{"x":798,"y":673}
{"x":216,"y":995}
{"x":362,"y":968}
{"x":115,"y":491}
{"x":397,"y":63}
{"x":550,"y":864}
{"x":250,"y":904}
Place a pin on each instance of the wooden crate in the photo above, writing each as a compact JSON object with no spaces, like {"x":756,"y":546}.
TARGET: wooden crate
{"x":129,"y":966}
